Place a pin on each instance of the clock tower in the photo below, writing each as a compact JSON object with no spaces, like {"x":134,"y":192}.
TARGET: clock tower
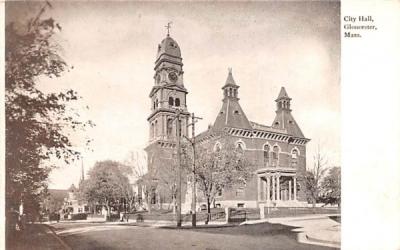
{"x":168,"y":95}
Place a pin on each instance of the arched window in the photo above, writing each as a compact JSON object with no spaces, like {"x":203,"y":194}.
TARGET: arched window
{"x":295,"y":154}
{"x":275,"y":156}
{"x":171,"y":101}
{"x":169,"y":127}
{"x":266,"y":155}
{"x":156,"y":103}
{"x":177,"y":102}
{"x":235,"y":92}
{"x":275,"y":153}
{"x":230,"y":92}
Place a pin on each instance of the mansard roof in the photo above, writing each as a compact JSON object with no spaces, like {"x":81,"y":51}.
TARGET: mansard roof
{"x":285,"y":120}
{"x":231,"y":115}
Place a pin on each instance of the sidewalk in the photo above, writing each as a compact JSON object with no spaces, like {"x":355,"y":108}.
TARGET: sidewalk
{"x":36,"y":236}
{"x":312,"y":229}
{"x":145,"y":223}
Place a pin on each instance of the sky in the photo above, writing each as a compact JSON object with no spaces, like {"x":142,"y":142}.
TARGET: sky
{"x":112,"y":47}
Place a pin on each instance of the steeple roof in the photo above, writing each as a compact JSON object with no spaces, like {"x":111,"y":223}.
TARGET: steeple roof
{"x":284,"y":119}
{"x":283,"y":94}
{"x":231,"y":114}
{"x":229,"y":79}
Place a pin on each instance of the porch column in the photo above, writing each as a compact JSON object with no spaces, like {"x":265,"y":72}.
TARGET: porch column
{"x":268,"y":187}
{"x":273,"y":188}
{"x":290,"y":190}
{"x":258,"y":188}
{"x":278,"y":190}
{"x":295,"y":188}
{"x":264,"y":193}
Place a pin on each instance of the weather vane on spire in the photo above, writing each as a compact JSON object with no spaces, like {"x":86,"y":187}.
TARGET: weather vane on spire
{"x":168,"y":26}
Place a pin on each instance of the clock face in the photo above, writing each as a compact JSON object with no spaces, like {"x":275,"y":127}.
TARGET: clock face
{"x":172,"y":77}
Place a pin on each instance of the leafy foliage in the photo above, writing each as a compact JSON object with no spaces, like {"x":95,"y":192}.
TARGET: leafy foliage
{"x":331,"y":186}
{"x":107,"y":184}
{"x":37,"y":123}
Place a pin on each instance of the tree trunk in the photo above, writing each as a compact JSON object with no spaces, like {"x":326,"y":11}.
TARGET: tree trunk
{"x":174,"y":205}
{"x":208,"y":210}
{"x":108,"y":212}
{"x":149,"y":203}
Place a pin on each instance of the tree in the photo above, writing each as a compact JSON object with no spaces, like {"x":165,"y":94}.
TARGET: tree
{"x":107,"y":184}
{"x":135,"y":168}
{"x":331,"y":187}
{"x":220,"y":169}
{"x":38,"y":124}
{"x":315,"y":176}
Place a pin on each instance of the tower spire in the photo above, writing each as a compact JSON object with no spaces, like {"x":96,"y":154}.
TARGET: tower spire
{"x":230,"y":88}
{"x":283,"y":100}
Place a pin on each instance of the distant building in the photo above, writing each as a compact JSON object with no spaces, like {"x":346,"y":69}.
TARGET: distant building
{"x":72,"y":205}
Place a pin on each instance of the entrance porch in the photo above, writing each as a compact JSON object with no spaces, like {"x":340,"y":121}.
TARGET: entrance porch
{"x":277,"y":187}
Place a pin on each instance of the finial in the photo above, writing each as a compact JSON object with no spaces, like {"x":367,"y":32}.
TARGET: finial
{"x":168,"y":26}
{"x":230,"y":70}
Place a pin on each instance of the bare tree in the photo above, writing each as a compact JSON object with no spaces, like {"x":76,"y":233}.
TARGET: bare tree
{"x":217,"y":170}
{"x":315,"y":175}
{"x":137,"y":164}
{"x":135,"y":168}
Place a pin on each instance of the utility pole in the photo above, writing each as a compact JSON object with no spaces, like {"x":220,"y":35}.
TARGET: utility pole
{"x":178,"y":147}
{"x":194,"y":120}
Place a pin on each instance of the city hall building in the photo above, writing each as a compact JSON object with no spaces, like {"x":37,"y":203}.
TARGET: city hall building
{"x":277,"y":153}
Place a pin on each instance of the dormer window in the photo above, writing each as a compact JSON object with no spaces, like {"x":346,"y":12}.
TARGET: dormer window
{"x":240,"y":146}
